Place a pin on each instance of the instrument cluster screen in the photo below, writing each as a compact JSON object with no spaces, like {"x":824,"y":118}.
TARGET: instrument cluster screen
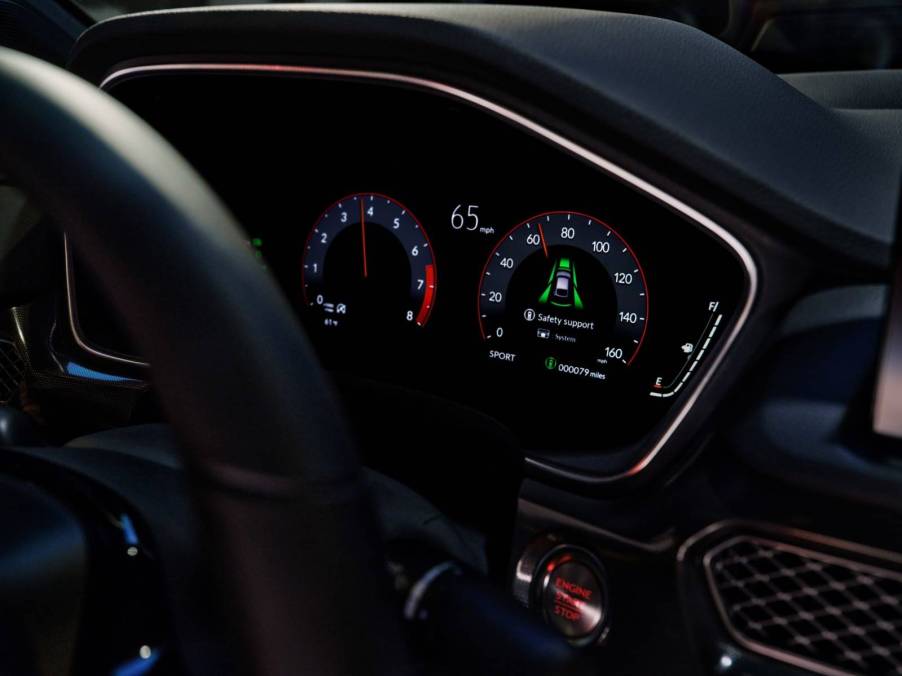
{"x":430,"y":246}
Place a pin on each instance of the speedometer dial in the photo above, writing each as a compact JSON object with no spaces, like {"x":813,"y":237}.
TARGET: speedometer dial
{"x":368,"y":263}
{"x":564,"y":292}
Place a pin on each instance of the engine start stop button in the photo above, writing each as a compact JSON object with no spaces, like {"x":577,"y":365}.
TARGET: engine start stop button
{"x":573,"y":596}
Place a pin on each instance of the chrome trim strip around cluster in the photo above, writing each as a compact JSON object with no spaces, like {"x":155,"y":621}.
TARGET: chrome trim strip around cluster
{"x":548,"y":135}
{"x":80,"y":340}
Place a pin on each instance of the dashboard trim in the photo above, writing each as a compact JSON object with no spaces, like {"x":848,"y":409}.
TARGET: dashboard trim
{"x":718,"y":535}
{"x":74,"y":326}
{"x":550,"y":136}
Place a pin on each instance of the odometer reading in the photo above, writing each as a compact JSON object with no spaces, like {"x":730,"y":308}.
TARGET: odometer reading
{"x":564,"y":292}
{"x":369,"y":263}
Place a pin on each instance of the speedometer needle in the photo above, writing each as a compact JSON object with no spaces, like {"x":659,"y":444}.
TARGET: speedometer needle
{"x":542,"y":235}
{"x":363,"y":237}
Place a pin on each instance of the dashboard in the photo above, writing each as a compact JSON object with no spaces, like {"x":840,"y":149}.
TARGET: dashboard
{"x":433,"y":243}
{"x":481,"y":218}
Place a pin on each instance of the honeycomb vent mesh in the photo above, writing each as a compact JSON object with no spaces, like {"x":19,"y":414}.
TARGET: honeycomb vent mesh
{"x":827,"y":613}
{"x":12,"y":371}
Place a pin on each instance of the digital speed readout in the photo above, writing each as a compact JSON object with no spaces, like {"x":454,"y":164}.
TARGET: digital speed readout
{"x":564,"y":292}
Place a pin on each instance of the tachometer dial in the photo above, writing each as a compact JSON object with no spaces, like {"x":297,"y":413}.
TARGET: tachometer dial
{"x":564,"y":292}
{"x":368,"y":262}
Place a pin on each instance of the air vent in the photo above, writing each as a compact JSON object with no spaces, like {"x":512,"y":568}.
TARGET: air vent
{"x":819,"y":611}
{"x":12,"y":371}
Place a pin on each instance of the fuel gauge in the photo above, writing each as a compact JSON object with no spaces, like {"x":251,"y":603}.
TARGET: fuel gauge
{"x":686,"y":355}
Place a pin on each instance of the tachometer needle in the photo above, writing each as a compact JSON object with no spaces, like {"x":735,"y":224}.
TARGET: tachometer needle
{"x":363,"y":237}
{"x":542,"y":236}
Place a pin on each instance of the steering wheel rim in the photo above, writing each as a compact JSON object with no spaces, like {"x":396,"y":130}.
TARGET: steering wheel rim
{"x":276,"y":478}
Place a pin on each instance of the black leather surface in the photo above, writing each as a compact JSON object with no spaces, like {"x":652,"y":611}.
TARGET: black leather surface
{"x":150,"y":480}
{"x":856,"y":90}
{"x":807,"y":416}
{"x":402,"y":514}
{"x":694,"y":109}
{"x":281,"y":494}
{"x":43,"y":577}
{"x":18,"y":428}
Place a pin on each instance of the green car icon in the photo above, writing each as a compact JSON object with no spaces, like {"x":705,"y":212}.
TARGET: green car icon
{"x":561,"y":290}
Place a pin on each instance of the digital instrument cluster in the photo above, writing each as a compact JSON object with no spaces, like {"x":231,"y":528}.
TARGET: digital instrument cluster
{"x":432,"y":247}
{"x":562,"y":291}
